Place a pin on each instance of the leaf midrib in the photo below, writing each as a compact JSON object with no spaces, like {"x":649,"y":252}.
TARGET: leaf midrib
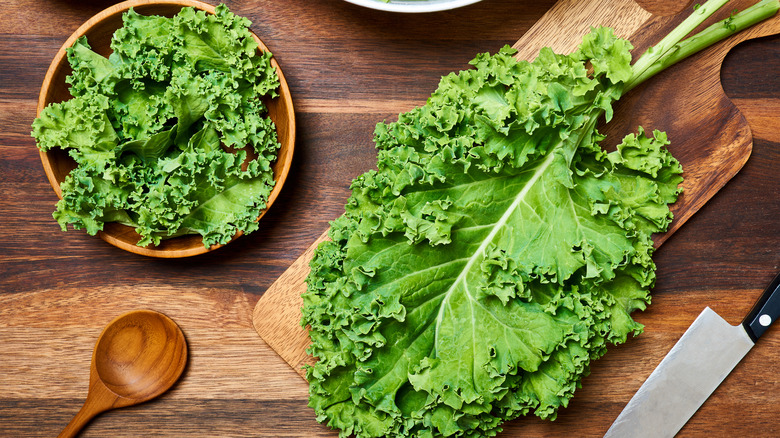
{"x":540,"y":170}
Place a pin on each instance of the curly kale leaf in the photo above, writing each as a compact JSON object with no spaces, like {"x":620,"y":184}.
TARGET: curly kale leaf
{"x":153,"y":126}
{"x":494,"y":253}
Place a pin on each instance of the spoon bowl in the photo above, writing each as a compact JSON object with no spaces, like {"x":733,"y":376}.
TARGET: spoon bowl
{"x":138,"y":356}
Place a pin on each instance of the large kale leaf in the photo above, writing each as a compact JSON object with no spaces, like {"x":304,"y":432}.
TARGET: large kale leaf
{"x":494,"y":253}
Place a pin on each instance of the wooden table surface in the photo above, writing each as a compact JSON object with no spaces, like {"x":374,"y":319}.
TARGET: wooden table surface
{"x":348,"y":68}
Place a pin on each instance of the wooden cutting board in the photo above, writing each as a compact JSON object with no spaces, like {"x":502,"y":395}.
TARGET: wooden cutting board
{"x":709,"y":135}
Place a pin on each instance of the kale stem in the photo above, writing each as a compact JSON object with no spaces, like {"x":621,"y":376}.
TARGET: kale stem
{"x":709,"y":36}
{"x":673,"y":48}
{"x":655,"y":53}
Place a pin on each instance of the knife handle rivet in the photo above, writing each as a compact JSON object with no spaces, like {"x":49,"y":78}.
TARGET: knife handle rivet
{"x":765,"y":320}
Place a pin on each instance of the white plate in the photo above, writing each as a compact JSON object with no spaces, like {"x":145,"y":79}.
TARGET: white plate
{"x":413,"y":5}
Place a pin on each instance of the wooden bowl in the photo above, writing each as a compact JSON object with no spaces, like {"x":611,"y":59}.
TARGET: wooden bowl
{"x":57,"y":164}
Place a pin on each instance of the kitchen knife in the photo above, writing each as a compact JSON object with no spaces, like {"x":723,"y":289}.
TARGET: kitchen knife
{"x":705,"y":354}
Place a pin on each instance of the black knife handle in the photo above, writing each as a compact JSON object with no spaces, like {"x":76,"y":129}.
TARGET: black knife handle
{"x":764,"y":312}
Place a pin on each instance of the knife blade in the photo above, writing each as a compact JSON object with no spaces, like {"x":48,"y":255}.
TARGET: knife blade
{"x":692,"y":370}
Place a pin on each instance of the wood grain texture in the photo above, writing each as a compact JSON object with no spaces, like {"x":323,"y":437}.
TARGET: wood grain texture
{"x":277,"y":312}
{"x":563,"y":26}
{"x":348,"y":68}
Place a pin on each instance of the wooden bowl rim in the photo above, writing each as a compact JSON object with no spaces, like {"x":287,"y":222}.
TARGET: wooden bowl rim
{"x":284,"y":94}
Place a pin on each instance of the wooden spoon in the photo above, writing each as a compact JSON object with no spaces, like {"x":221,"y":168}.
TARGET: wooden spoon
{"x":138,"y":356}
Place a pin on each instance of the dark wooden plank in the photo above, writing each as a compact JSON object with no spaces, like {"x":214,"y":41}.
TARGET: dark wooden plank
{"x":212,"y":417}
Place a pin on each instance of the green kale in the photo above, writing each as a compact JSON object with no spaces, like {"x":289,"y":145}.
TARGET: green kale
{"x":150,"y":128}
{"x":496,"y":251}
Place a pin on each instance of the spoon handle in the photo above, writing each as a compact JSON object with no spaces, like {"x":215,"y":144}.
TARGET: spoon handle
{"x":99,"y":399}
{"x":80,"y":420}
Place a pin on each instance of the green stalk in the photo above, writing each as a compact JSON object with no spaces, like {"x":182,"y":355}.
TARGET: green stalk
{"x":673,"y":49}
{"x":655,"y":53}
